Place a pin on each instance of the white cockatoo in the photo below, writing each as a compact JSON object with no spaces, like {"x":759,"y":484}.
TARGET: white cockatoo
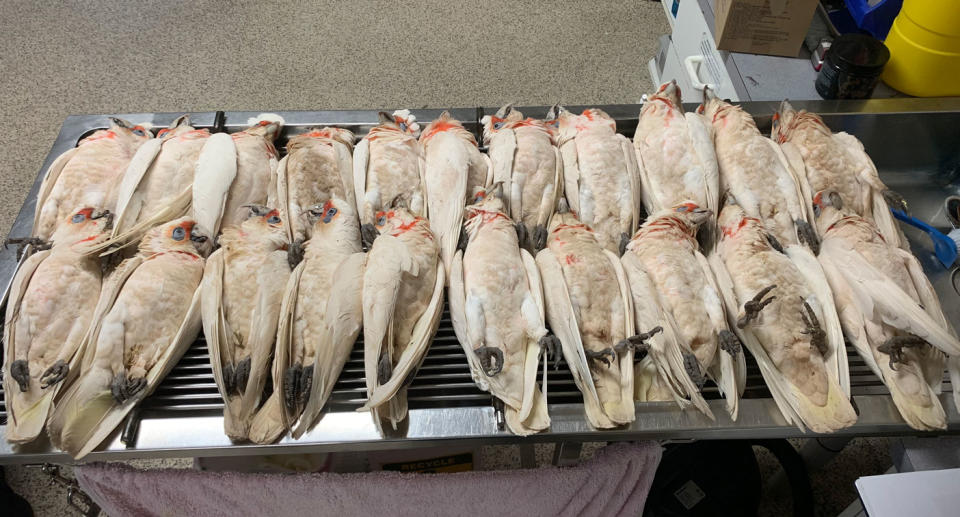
{"x":402,"y":302}
{"x":496,"y":305}
{"x":756,"y":172}
{"x":526,"y":160}
{"x":785,"y":324}
{"x":255,"y":182}
{"x":388,"y":165}
{"x":52,"y":297}
{"x":454,"y":168}
{"x":836,"y":162}
{"x":590,"y":309}
{"x":318,"y":167}
{"x":240,"y":298}
{"x":182,"y":172}
{"x":675,"y":272}
{"x":888,"y":309}
{"x":147,"y":315}
{"x":675,"y":156}
{"x":320,"y":318}
{"x":87,"y":175}
{"x":600,"y":176}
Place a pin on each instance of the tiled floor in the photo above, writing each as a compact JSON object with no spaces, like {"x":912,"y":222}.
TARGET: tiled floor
{"x":108,"y":57}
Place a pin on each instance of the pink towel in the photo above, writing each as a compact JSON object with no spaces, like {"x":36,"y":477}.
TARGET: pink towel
{"x":614,"y":482}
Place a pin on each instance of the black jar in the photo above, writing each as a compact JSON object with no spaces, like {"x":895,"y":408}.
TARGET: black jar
{"x":852,"y":67}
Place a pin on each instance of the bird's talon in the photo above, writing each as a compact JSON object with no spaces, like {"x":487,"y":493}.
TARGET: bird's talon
{"x":624,"y":240}
{"x":774,"y":243}
{"x":491,"y":359}
{"x":521,"y":234}
{"x":692,"y":366}
{"x":241,"y":374}
{"x":601,"y":356}
{"x":752,"y":308}
{"x":895,"y":345}
{"x":895,"y":200}
{"x":304,"y":385}
{"x":729,"y":342}
{"x":384,"y":369}
{"x":56,"y":373}
{"x":551,"y":345}
{"x":20,"y":371}
{"x":228,"y":378}
{"x":368,"y":233}
{"x":818,"y":337}
{"x":808,"y":236}
{"x":539,"y":237}
{"x":291,"y":380}
{"x":463,"y":241}
{"x":295,"y":253}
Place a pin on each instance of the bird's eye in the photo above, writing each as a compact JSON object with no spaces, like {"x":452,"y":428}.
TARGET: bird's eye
{"x":77,"y":218}
{"x":138,"y":131}
{"x":274,"y":219}
{"x":331,"y":212}
{"x":403,"y":126}
{"x":178,"y":233}
{"x":382,"y":220}
{"x":497,"y":125}
{"x":816,"y":210}
{"x":681,"y":208}
{"x":162,"y":133}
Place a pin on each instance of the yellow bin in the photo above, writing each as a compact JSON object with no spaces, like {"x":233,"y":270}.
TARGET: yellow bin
{"x":924,"y":45}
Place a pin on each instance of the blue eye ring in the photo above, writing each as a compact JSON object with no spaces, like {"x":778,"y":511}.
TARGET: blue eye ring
{"x":681,"y":209}
{"x":382,"y":220}
{"x":331,"y":212}
{"x":178,"y":233}
{"x":139,"y":132}
{"x":77,"y":218}
{"x":274,"y":219}
{"x":497,"y":125}
{"x":403,"y":126}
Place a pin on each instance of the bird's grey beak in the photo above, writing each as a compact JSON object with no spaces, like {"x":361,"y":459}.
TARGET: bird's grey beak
{"x":257,"y":210}
{"x":105,"y":214}
{"x":385,"y":118}
{"x":701,"y":214}
{"x":835,"y":200}
{"x":119,"y":122}
{"x":398,"y":202}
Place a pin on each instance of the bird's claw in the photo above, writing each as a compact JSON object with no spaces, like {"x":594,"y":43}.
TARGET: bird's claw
{"x":692,"y":366}
{"x":895,"y":200}
{"x":37,"y":243}
{"x":601,"y":356}
{"x":463,"y":241}
{"x":304,"y":385}
{"x":522,"y":233}
{"x":539,"y":237}
{"x":551,"y":345}
{"x":56,"y":373}
{"x":291,"y":381}
{"x":774,"y":243}
{"x":20,"y":371}
{"x":228,"y":378}
{"x":818,"y":337}
{"x":637,"y":343}
{"x":808,"y":236}
{"x":624,"y":240}
{"x":895,"y":345}
{"x":124,"y":388}
{"x":368,"y":233}
{"x":295,"y":253}
{"x":491,"y":359}
{"x":752,"y":308}
{"x":729,"y":342}
{"x":241,"y":375}
{"x":384,"y":369}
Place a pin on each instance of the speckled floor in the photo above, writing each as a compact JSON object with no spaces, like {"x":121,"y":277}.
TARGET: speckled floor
{"x":109,"y":57}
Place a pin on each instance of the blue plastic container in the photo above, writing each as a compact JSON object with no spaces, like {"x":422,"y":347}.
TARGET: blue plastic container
{"x":875,"y":19}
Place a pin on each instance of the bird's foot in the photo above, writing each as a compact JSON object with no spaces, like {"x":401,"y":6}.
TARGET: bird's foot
{"x":124,"y":388}
{"x":752,"y":308}
{"x":37,"y":244}
{"x":521,"y":234}
{"x":551,"y":345}
{"x":20,"y":371}
{"x":304,"y":385}
{"x":384,"y":369}
{"x":895,"y":200}
{"x":295,"y":253}
{"x":463,"y":241}
{"x":818,"y":337}
{"x":624,"y":240}
{"x":895,"y":345}
{"x":56,"y":373}
{"x":491,"y":359}
{"x":808,"y":236}
{"x":774,"y":243}
{"x":368,"y":234}
{"x":539,"y":237}
{"x":692,"y":366}
{"x":601,"y":356}
{"x":729,"y":342}
{"x":241,"y":375}
{"x":291,"y":381}
{"x":228,"y":378}
{"x":637,"y":343}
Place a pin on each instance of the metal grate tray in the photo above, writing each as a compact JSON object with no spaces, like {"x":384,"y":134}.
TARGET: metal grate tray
{"x":182,"y":417}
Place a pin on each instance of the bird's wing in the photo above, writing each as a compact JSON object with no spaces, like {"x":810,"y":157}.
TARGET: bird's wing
{"x":283,"y":198}
{"x":665,"y":350}
{"x":128,"y":203}
{"x":796,"y":202}
{"x":361,"y":160}
{"x":445,"y":209}
{"x":633,"y":174}
{"x":284,"y":349}
{"x":810,"y":268}
{"x":112,"y":285}
{"x":502,"y":149}
{"x":625,"y":360}
{"x":25,"y":417}
{"x":341,"y":326}
{"x":456,"y":299}
{"x":650,"y":202}
{"x":215,"y":171}
{"x":345,"y":167}
{"x":563,"y":322}
{"x":532,"y":415}
{"x":732,"y":373}
{"x":701,"y":135}
{"x":49,"y":180}
{"x":894,"y":307}
{"x":571,"y":175}
{"x":416,"y":350}
{"x":211,"y":315}
{"x":869,"y":179}
{"x":795,"y":160}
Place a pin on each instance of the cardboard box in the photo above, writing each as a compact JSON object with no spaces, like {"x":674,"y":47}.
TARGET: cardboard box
{"x":774,"y":27}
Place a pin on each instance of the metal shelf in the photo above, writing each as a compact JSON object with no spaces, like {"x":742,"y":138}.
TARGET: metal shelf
{"x":182,"y":417}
